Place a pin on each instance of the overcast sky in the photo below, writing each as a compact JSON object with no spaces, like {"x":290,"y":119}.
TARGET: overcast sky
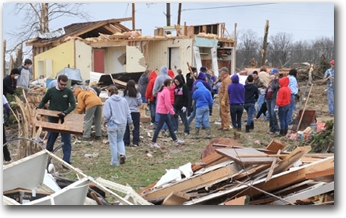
{"x":305,"y":21}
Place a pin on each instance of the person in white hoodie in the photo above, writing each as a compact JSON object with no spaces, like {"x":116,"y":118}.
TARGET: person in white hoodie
{"x":117,"y":114}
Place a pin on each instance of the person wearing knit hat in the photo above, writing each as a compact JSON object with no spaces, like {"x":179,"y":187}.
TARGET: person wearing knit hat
{"x":329,"y":78}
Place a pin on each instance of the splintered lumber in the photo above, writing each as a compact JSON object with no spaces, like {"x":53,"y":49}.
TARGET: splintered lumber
{"x":244,"y":200}
{"x":271,"y":170}
{"x":73,"y":123}
{"x":196,"y":181}
{"x":293,"y":157}
{"x":276,"y":145}
{"x":236,"y":153}
{"x":176,"y":198}
{"x":278,"y":181}
{"x":315,"y":190}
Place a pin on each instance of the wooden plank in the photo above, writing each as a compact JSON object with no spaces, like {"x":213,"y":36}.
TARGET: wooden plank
{"x":307,"y":193}
{"x":276,"y":145}
{"x":73,"y":123}
{"x":192,"y":183}
{"x":327,"y":172}
{"x":271,"y":170}
{"x":251,"y":172}
{"x":278,"y":181}
{"x":234,"y":154}
{"x":293,"y":157}
{"x":244,"y":200}
{"x":207,"y":160}
{"x":176,"y":198}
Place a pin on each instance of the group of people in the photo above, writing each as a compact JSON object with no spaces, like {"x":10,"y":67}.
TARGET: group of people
{"x":170,"y":97}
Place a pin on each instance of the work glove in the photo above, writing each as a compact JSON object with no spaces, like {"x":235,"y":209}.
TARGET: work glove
{"x":131,"y":126}
{"x":223,"y":103}
{"x":183,"y":109}
{"x":276,"y":109}
{"x":61,"y":115}
{"x":175,"y":115}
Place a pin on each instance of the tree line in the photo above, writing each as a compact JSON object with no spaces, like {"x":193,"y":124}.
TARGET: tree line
{"x":282,"y":51}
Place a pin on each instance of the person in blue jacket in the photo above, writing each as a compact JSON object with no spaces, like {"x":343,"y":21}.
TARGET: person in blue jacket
{"x":204,"y":101}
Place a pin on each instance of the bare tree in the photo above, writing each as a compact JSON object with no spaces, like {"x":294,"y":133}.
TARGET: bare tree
{"x":279,"y":52}
{"x":248,"y":47}
{"x":37,"y":17}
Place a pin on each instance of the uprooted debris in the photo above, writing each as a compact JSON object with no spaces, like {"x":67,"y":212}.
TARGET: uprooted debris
{"x":236,"y":175}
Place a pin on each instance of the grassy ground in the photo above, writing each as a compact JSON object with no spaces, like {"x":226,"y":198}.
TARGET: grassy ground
{"x":145,"y":165}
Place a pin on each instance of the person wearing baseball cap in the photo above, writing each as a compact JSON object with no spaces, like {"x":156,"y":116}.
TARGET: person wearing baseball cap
{"x":329,"y":77}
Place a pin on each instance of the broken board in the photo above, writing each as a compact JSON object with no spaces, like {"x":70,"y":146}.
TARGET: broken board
{"x":236,"y":153}
{"x":73,"y":123}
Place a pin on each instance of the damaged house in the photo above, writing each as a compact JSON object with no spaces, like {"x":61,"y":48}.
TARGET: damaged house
{"x":108,"y":47}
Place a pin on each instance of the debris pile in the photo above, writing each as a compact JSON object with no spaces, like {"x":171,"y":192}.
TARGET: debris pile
{"x":236,"y":175}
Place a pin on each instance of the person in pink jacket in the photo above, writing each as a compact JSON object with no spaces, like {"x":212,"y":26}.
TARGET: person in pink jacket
{"x":163,"y":108}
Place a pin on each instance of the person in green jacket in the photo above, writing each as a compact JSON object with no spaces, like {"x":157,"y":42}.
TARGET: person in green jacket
{"x":60,"y":99}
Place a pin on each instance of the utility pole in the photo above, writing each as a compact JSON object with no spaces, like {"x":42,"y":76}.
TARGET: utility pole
{"x":264,"y":49}
{"x":133,"y":17}
{"x":168,"y":13}
{"x":179,"y":13}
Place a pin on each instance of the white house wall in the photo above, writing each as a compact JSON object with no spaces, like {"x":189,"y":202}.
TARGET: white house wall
{"x":158,"y":54}
{"x":83,"y":58}
{"x":112,"y":63}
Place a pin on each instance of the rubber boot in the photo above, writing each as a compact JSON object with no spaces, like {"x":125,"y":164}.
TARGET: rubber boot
{"x":252,"y":125}
{"x":247,"y":128}
{"x":285,"y":132}
{"x":282,"y":132}
{"x":197,"y":133}
{"x":208,"y":136}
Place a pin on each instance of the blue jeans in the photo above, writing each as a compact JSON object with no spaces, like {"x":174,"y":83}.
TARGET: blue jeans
{"x":236,"y":113}
{"x":116,"y":142}
{"x":250,"y":109}
{"x":260,"y":101}
{"x":183,"y":118}
{"x":193,"y":113}
{"x":144,"y":100}
{"x":273,"y":121}
{"x":283,"y":116}
{"x":65,"y":138}
{"x":330,"y":97}
{"x":202,"y":117}
{"x":292,"y":107}
{"x":152,"y":106}
{"x":165,"y":127}
{"x":162,"y":119}
{"x":135,"y":133}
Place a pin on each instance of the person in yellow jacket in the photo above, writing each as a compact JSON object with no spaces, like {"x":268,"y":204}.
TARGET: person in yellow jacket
{"x":90,"y":104}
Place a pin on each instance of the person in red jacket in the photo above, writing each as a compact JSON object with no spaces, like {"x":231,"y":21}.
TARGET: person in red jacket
{"x":150,"y":97}
{"x":283,"y":103}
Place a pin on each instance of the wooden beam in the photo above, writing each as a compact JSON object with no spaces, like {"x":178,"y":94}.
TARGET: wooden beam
{"x":133,"y":17}
{"x":327,"y":172}
{"x":293,"y":157}
{"x":197,"y":181}
{"x":207,"y":160}
{"x":176,"y":198}
{"x":278,"y":181}
{"x":271,"y":170}
{"x":307,"y":193}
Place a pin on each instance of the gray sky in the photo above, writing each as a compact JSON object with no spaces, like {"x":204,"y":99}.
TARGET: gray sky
{"x":305,"y":21}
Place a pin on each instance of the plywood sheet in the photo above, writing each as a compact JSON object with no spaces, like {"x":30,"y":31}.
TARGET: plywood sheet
{"x":73,"y":123}
{"x":234,"y":154}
